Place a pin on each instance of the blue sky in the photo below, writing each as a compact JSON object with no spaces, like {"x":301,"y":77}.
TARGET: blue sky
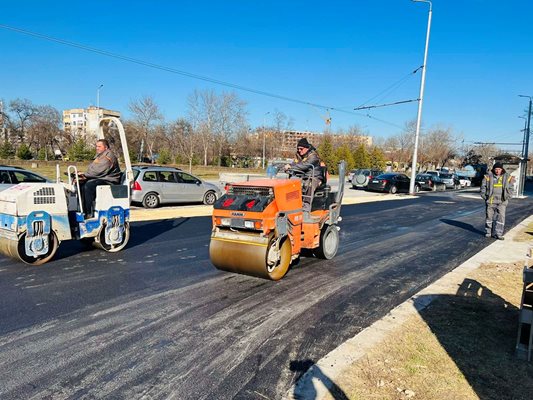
{"x":338,"y":54}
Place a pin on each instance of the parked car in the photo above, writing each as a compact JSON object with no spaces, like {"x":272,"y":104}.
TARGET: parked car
{"x":363,"y":176}
{"x":389,"y":182}
{"x":155,"y":185}
{"x":429,"y":182}
{"x":351,"y":174}
{"x":464,"y":181}
{"x":11,"y":176}
{"x":451,"y":181}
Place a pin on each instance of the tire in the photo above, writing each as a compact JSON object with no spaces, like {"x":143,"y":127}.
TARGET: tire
{"x":393,"y":189}
{"x":151,"y":200}
{"x":442,"y":188}
{"x":361,"y":180}
{"x":278,"y":271}
{"x":417,"y":188}
{"x":329,"y":242}
{"x":210,"y":198}
{"x":116,"y":247}
{"x":53,"y":244}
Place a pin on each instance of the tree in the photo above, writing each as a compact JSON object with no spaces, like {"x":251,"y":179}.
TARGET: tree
{"x":24,"y":109}
{"x":24,"y":152}
{"x":80,"y":151}
{"x":327,"y":153}
{"x":343,"y":153}
{"x":361,"y":157}
{"x":164,"y":156}
{"x":377,"y":159}
{"x":6,"y":150}
{"x":217,"y":120}
{"x":439,"y":146}
{"x":146,"y":115}
{"x":43,"y":129}
{"x":186,"y":140}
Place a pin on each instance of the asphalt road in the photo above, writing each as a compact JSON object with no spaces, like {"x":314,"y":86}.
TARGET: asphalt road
{"x":157,"y":321}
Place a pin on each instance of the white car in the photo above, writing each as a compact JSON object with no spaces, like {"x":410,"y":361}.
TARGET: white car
{"x":465,"y":181}
{"x":11,"y":176}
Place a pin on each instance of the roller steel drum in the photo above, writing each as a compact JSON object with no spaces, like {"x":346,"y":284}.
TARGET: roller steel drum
{"x":249,"y":254}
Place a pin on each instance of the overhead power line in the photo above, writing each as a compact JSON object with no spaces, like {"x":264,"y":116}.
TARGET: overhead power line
{"x":386,"y":104}
{"x":168,"y":69}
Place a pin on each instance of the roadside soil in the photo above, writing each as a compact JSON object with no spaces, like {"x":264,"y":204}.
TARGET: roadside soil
{"x":462,"y":346}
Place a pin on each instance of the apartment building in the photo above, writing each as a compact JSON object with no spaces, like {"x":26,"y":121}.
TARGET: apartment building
{"x":83,"y":122}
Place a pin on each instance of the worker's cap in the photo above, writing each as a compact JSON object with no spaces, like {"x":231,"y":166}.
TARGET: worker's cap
{"x":498,"y":165}
{"x":303,"y":143}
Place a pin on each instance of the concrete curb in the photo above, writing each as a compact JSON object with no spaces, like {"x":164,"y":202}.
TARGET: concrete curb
{"x":310,"y":385}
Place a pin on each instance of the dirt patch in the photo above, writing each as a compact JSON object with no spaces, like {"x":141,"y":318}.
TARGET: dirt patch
{"x":526,"y":234}
{"x":460,"y":347}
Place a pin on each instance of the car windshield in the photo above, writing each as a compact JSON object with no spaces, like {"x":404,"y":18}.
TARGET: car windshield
{"x":424,"y":176}
{"x":446,"y":176}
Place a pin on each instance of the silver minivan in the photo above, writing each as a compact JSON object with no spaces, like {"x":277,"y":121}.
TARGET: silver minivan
{"x":155,"y":185}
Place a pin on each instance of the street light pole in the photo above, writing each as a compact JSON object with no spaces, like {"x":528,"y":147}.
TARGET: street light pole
{"x":420,"y":100}
{"x":526,"y":147}
{"x":98,"y":100}
{"x":520,"y":190}
{"x":264,"y":138}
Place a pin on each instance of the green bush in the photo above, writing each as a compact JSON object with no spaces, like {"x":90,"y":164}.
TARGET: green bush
{"x":80,"y":151}
{"x":6,"y":150}
{"x":24,"y":152}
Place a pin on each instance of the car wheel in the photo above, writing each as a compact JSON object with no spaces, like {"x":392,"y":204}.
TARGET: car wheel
{"x":210,"y":198}
{"x":417,"y":188}
{"x":443,"y":188}
{"x":151,"y":200}
{"x":393,"y":189}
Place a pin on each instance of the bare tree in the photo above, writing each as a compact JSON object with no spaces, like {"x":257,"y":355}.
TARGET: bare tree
{"x":186,"y":140}
{"x":216,"y":120}
{"x":439,"y":145}
{"x":23,"y":109}
{"x":202,"y":115}
{"x":146,"y":114}
{"x":43,"y":130}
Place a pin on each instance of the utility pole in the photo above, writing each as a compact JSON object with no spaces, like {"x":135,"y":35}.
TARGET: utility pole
{"x":420,"y":101}
{"x":264,"y":139}
{"x":526,"y":148}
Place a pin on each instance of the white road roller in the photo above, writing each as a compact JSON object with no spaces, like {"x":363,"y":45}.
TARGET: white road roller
{"x":36,"y":217}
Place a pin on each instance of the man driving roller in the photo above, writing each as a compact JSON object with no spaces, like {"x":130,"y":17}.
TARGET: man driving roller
{"x":104,"y":170}
{"x":307,"y":162}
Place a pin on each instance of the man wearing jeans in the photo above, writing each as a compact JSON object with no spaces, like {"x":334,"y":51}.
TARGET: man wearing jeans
{"x":104,"y":170}
{"x":496,"y":190}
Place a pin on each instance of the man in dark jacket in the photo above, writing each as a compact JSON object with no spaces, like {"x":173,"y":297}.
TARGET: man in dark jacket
{"x":104,"y":170}
{"x":307,"y":163}
{"x":496,"y":189}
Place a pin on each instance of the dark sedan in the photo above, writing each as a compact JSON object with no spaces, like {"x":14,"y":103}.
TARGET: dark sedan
{"x":429,"y":182}
{"x":390,"y":182}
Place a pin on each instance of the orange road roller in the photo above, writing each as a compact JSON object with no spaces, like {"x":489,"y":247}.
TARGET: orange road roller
{"x":259,"y":226}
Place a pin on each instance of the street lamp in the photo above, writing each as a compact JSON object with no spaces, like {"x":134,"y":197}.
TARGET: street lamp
{"x":98,"y":99}
{"x":526,"y":146}
{"x":420,"y":100}
{"x":264,"y":138}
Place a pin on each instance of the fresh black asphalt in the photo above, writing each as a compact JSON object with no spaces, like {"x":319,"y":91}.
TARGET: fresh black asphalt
{"x":157,"y":320}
